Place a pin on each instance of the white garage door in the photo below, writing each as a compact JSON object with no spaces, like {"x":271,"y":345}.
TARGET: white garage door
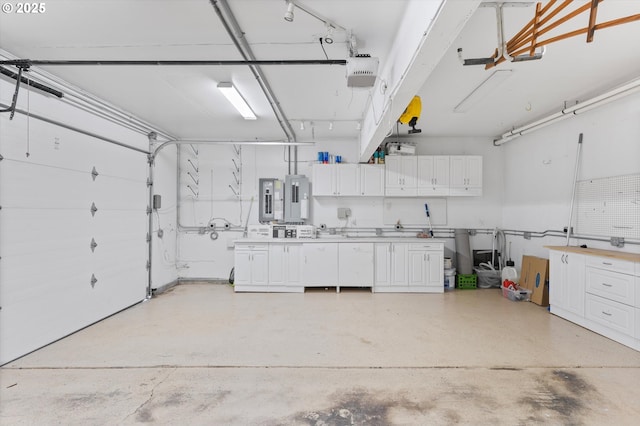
{"x":52,"y":282}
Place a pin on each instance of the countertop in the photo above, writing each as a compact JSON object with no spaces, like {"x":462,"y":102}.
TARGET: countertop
{"x":340,"y":239}
{"x":633,"y":257}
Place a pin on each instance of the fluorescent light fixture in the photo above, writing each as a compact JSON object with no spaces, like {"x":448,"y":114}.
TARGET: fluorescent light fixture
{"x":483,"y":90}
{"x":236,"y":99}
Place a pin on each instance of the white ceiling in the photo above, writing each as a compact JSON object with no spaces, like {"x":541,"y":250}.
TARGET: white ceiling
{"x":183,"y":100}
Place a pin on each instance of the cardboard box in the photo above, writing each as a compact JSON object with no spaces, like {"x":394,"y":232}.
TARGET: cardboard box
{"x":535,"y":277}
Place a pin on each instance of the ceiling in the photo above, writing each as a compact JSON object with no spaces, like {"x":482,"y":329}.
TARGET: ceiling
{"x":185,"y":103}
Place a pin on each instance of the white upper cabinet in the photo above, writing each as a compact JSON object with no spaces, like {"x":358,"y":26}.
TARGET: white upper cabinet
{"x":433,"y":175}
{"x":344,"y":180}
{"x":401,"y":175}
{"x":372,"y":180}
{"x":465,"y":175}
{"x":347,"y":179}
{"x":324,"y":180}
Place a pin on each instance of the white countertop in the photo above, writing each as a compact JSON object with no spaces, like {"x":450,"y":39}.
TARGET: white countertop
{"x":339,"y":239}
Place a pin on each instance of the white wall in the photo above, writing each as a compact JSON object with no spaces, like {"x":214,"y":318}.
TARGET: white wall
{"x":200,"y":257}
{"x":539,"y":168}
{"x":164,"y":249}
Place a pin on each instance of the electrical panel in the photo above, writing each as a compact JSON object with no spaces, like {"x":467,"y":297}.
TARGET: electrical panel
{"x":271,"y":200}
{"x":296,"y":199}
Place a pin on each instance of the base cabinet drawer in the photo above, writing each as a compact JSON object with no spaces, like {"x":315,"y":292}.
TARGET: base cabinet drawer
{"x":610,"y":264}
{"x":614,"y":315}
{"x":611,"y":285}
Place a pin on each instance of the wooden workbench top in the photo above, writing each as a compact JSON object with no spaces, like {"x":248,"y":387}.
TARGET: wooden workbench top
{"x":632,"y":257}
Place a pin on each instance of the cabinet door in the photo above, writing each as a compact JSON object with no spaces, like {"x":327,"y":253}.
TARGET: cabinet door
{"x":417,"y":268}
{"x":399,"y":264}
{"x":372,"y":180}
{"x":242,"y":267}
{"x":474,"y":171}
{"x":393,"y":165}
{"x":382,"y":264}
{"x":355,"y":264}
{"x":457,"y":172}
{"x":259,"y":267}
{"x":293,"y":271}
{"x":324,"y":180}
{"x":441,"y":171}
{"x":277,"y":264}
{"x":320,"y":264}
{"x":425,"y":174}
{"x":557,"y":280}
{"x":435,"y":269}
{"x":348,"y":178}
{"x":575,"y":283}
{"x":409,"y":171}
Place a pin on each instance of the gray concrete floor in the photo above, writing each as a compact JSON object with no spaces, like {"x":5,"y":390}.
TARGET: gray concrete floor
{"x":201,"y":354}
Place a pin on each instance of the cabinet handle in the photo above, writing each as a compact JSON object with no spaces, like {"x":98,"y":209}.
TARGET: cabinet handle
{"x":607,"y":285}
{"x":606,"y":313}
{"x":607,"y":263}
{"x":562,"y":258}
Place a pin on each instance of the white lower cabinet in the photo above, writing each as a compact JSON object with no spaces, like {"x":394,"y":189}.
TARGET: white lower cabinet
{"x":426,"y":266}
{"x":597,"y":290}
{"x":320,"y":265}
{"x":566,"y":282}
{"x":355,"y":264}
{"x":409,"y":267}
{"x":285,"y":267}
{"x":251,"y":267}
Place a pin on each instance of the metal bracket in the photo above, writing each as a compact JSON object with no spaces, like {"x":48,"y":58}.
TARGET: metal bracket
{"x":94,"y":173}
{"x":149,"y":182}
{"x":526,"y":235}
{"x":617,"y":242}
{"x":148,"y":265}
{"x":149,"y":211}
{"x":94,"y":209}
{"x":94,"y":280}
{"x":148,"y":237}
{"x":93,"y":245}
{"x":472,"y":232}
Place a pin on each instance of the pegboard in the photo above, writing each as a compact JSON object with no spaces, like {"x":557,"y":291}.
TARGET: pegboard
{"x":609,"y":207}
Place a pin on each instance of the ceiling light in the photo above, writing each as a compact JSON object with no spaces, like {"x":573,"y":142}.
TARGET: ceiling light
{"x":485,"y":88}
{"x":288,"y":16}
{"x":328,"y":38}
{"x":236,"y":99}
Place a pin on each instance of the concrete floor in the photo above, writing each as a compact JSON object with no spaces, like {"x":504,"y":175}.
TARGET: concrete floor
{"x":201,"y":354}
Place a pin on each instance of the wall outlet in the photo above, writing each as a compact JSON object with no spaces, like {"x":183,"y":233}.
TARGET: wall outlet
{"x":344,"y":212}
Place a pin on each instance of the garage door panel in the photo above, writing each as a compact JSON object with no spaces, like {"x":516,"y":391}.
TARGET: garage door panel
{"x":120,"y":194}
{"x":37,"y":186}
{"x":64,"y":148}
{"x":43,"y":231}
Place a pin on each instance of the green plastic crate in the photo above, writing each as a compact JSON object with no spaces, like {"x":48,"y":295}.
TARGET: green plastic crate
{"x":467,"y":281}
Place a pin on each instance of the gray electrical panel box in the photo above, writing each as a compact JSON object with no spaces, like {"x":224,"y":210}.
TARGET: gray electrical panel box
{"x":296,"y":199}
{"x":271,"y":200}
